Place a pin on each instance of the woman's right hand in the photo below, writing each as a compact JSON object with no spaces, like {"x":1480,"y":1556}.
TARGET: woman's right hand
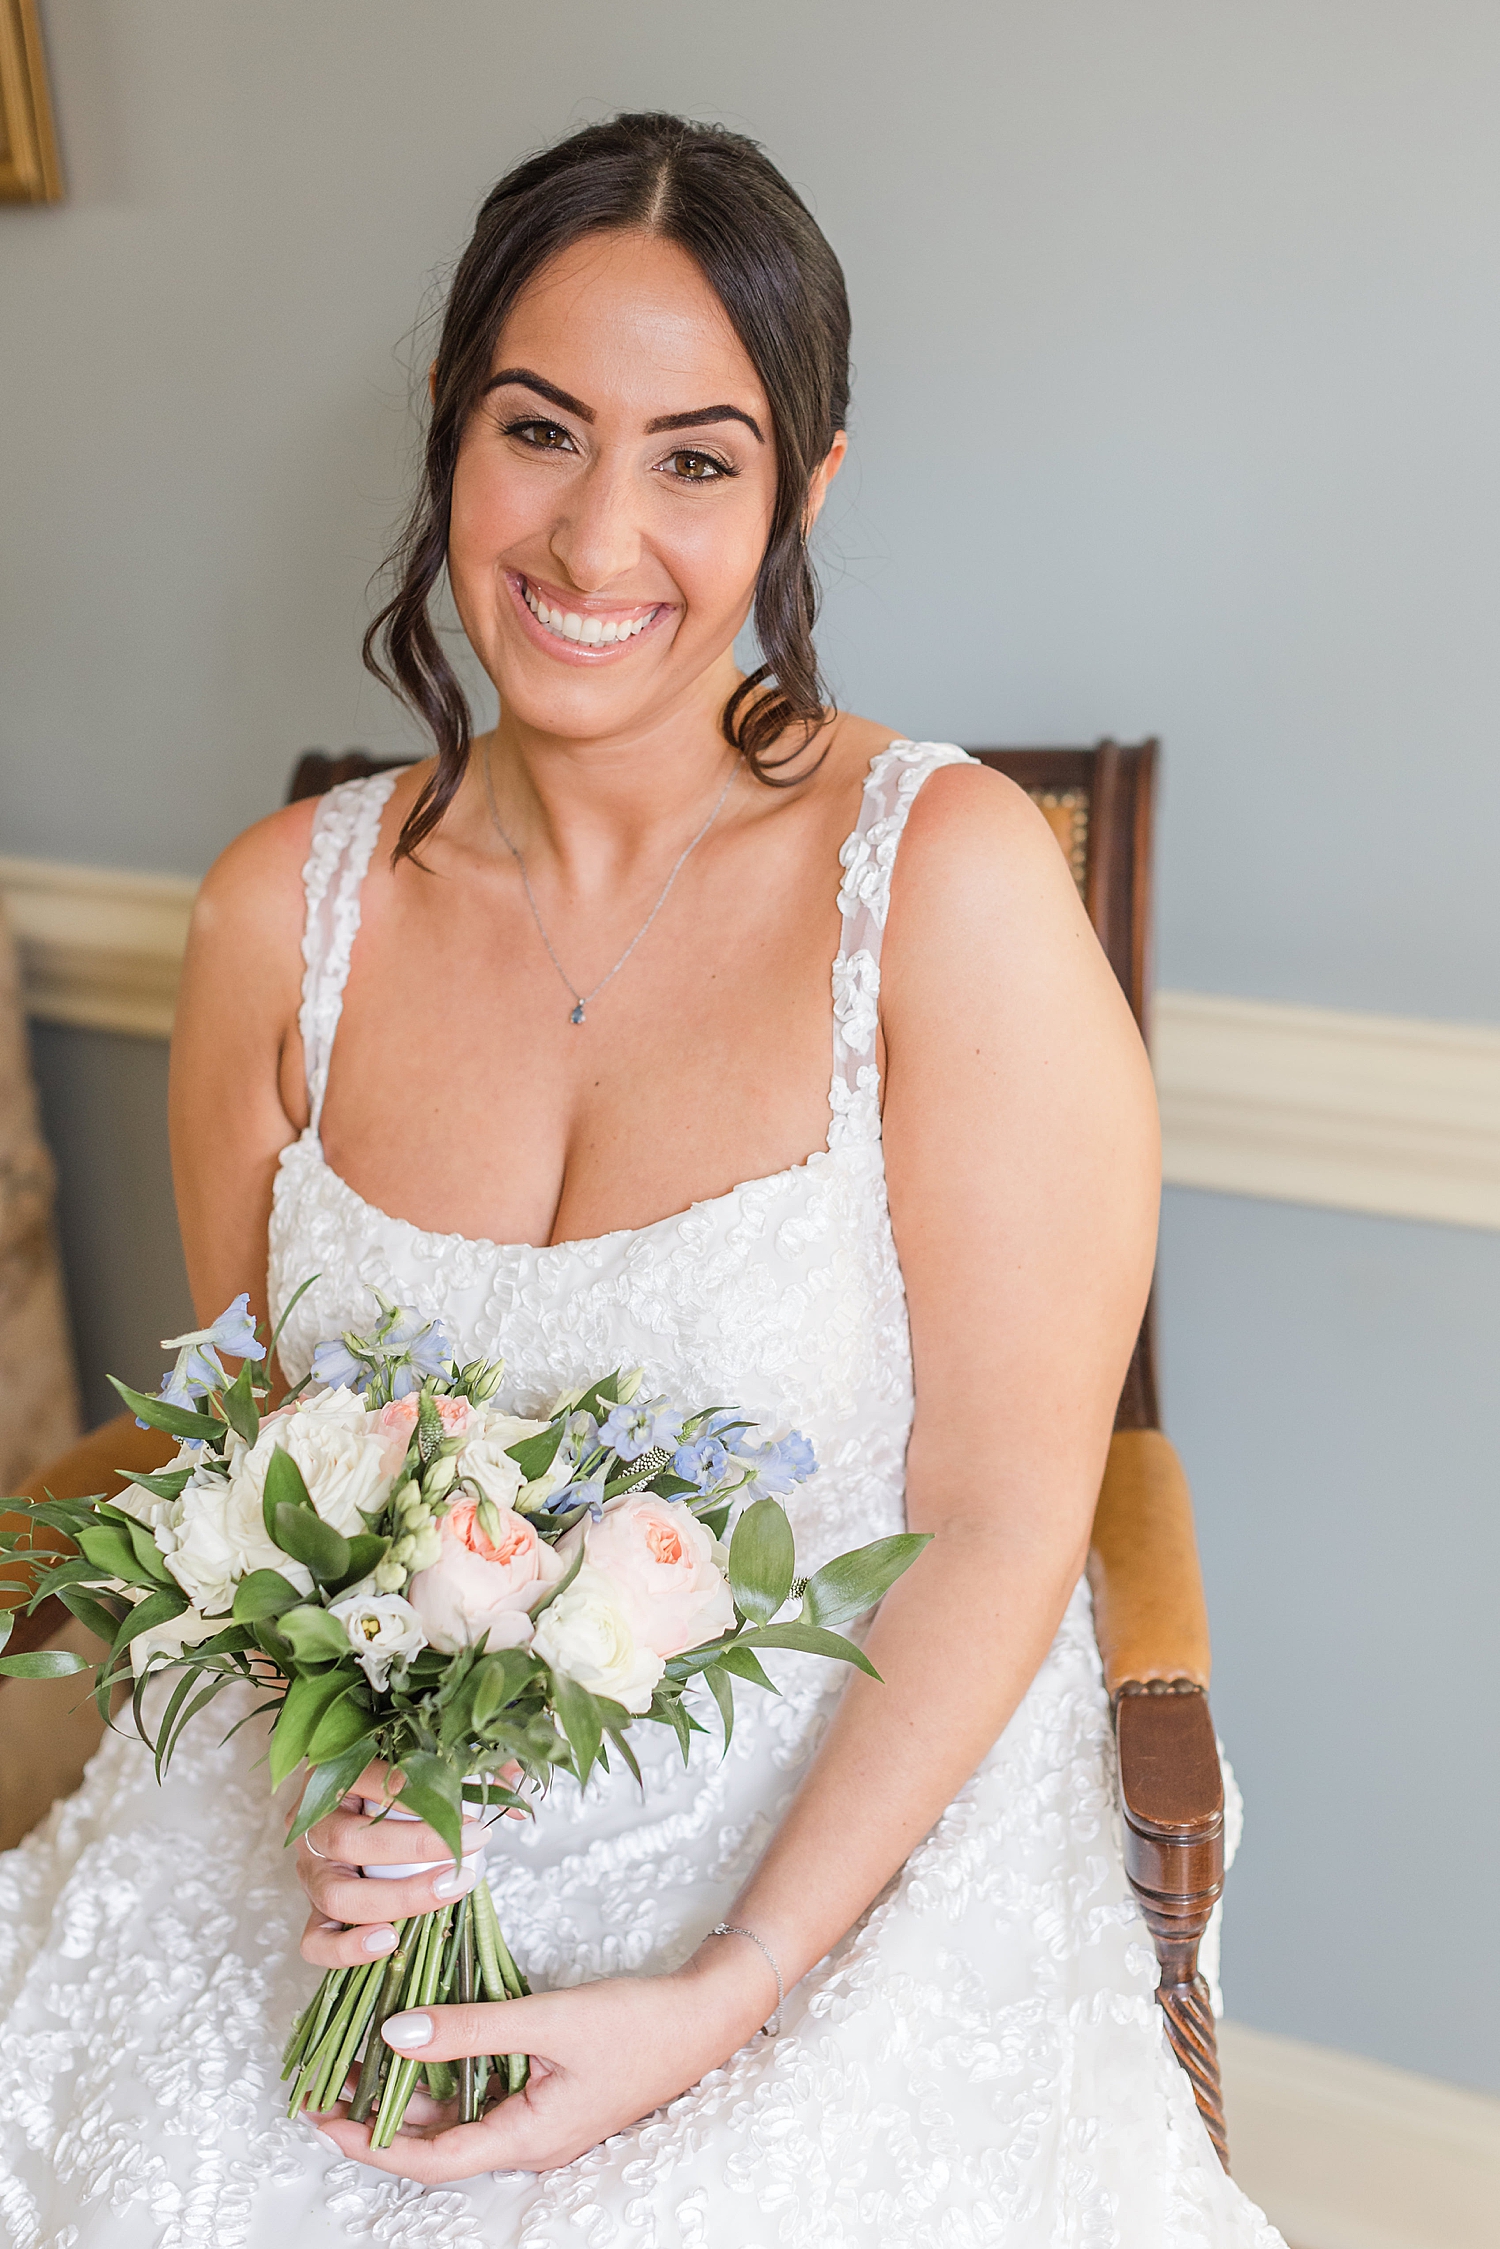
{"x":353,"y":1915}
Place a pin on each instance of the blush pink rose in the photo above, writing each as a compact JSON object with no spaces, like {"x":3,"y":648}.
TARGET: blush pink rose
{"x":396,"y":1422}
{"x":663,"y":1567}
{"x":480,"y":1591}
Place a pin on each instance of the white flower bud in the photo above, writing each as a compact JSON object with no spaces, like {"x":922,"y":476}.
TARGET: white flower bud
{"x":440,"y":1477}
{"x":390,"y":1576}
{"x":403,"y":1550}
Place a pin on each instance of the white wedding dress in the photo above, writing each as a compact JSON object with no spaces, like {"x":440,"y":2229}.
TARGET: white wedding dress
{"x":980,"y":2061}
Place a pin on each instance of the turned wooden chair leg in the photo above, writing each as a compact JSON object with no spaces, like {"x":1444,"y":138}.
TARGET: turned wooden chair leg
{"x":1172,"y":1797}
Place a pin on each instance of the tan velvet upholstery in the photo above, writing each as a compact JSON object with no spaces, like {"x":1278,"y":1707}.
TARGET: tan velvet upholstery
{"x":1149,"y":1611}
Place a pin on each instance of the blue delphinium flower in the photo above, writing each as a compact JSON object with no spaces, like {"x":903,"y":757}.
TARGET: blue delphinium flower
{"x":584,"y":1491}
{"x":234,"y":1330}
{"x":783,"y":1462}
{"x":640,"y":1428}
{"x":401,"y":1351}
{"x":701,"y":1462}
{"x":336,"y":1368}
{"x":198,"y":1367}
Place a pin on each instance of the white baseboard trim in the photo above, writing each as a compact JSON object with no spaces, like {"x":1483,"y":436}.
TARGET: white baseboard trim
{"x":1380,"y":1113}
{"x":1343,"y":2153}
{"x":1375,"y":1113}
{"x":100,"y":948}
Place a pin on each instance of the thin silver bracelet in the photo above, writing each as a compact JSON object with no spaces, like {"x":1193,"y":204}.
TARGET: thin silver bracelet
{"x":731,"y":1929}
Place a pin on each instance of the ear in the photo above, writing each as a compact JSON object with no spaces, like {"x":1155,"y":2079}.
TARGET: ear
{"x":822,"y":476}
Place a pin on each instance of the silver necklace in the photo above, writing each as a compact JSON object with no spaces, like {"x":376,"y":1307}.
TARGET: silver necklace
{"x":582,"y":999}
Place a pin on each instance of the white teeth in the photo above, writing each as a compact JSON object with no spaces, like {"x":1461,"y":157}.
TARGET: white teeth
{"x":587,"y":632}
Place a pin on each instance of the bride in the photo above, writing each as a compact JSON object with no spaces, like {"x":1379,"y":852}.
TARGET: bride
{"x":538,"y":1037}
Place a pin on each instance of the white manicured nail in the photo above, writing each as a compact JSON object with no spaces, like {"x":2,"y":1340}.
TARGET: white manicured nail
{"x":380,"y":1940}
{"x":407,"y":2030}
{"x":455,"y":1882}
{"x":332,"y":2145}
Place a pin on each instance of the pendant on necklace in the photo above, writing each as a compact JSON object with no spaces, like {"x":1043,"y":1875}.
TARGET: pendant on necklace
{"x":577,"y":1014}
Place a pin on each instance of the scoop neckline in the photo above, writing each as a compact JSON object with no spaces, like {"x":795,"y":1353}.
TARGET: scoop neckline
{"x":310,"y":1143}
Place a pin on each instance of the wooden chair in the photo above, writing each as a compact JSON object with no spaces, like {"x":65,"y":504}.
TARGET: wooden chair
{"x":1143,"y":1565}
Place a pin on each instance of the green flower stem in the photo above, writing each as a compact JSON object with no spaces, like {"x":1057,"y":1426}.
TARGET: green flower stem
{"x":441,"y":2082}
{"x":296,"y":2045}
{"x":401,"y":2083}
{"x":377,"y":2053}
{"x":317,"y":2018}
{"x":468,"y":2096}
{"x":321,"y":2053}
{"x":502,"y":1978}
{"x":331,"y":2085}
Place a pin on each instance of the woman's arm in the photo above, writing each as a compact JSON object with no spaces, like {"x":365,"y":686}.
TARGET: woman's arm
{"x":237,"y":1095}
{"x":1022,"y":1157}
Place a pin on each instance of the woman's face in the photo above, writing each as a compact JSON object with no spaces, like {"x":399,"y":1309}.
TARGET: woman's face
{"x":613,"y":493}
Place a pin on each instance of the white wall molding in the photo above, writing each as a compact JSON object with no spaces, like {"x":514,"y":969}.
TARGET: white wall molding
{"x":1300,"y":1104}
{"x":1379,"y":1113}
{"x":1343,"y":2153}
{"x":99,"y":948}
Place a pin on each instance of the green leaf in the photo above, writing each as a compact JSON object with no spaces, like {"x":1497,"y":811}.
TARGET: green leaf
{"x":329,"y":1784}
{"x":306,"y":1701}
{"x":149,"y":1554}
{"x":112,"y":1554}
{"x":563,"y":1582}
{"x":366,"y":1548}
{"x":813,"y":1641}
{"x":90,"y":1612}
{"x":283,"y":1486}
{"x":239,"y":1405}
{"x":342,"y":1724}
{"x":738,"y":1659}
{"x":431,"y":1790}
{"x":157,"y":1414}
{"x":287,"y":1310}
{"x":43,"y":1663}
{"x":762,"y":1560}
{"x":854,"y":1582}
{"x":581,"y":1720}
{"x":312,"y":1542}
{"x":715,"y":1520}
{"x":723,"y":1694}
{"x":618,"y":1737}
{"x":168,"y":1483}
{"x":499,"y":1680}
{"x":264,"y":1593}
{"x":316,"y":1636}
{"x":535,"y":1455}
{"x":157,"y":1608}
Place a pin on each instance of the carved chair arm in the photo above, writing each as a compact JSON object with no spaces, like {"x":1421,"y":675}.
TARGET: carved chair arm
{"x":1149,"y":1613}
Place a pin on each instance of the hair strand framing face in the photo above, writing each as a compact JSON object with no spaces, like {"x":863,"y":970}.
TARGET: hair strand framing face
{"x":720,"y":199}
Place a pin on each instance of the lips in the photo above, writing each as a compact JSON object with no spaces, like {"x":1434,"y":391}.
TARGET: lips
{"x":590,"y":628}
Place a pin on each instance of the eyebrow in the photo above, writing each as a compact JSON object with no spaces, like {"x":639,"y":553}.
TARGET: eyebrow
{"x":701,"y":419}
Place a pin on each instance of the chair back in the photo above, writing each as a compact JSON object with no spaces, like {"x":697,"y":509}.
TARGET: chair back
{"x":1099,"y":804}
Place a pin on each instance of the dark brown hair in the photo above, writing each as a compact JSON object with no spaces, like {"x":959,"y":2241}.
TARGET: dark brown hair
{"x":761,"y":251}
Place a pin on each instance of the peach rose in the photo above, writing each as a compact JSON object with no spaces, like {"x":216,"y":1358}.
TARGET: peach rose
{"x":664,"y":1568}
{"x":480,"y":1590}
{"x":396,"y":1422}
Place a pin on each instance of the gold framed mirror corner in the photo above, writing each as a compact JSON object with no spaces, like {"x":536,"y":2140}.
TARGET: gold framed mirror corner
{"x":29,"y":168}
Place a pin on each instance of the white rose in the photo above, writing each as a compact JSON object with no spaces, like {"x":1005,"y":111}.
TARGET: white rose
{"x":168,"y":1640}
{"x":340,"y":1451}
{"x":586,"y":1635}
{"x":197,"y":1547}
{"x":486,"y":1462}
{"x":381,"y":1626}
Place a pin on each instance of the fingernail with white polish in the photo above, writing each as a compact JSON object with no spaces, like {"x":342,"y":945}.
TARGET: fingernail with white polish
{"x":407,"y":2030}
{"x":332,"y":2145}
{"x":455,"y":1882}
{"x":380,"y":1940}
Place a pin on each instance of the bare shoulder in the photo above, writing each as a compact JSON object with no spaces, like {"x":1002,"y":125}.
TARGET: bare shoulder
{"x":252,"y":895}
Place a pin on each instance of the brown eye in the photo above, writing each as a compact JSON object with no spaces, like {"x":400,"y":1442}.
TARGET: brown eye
{"x":546,"y":437}
{"x":698,"y":468}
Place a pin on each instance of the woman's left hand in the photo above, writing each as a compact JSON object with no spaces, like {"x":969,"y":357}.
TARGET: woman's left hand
{"x":602,"y":2056}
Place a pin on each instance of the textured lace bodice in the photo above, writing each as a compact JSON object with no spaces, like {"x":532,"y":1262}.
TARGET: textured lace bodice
{"x":784,"y":1295}
{"x":978,"y":2064}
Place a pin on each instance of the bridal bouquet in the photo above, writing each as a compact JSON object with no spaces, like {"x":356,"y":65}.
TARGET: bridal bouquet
{"x":407,"y":1573}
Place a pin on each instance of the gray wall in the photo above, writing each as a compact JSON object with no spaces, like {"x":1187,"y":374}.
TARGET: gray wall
{"x":1177,"y":338}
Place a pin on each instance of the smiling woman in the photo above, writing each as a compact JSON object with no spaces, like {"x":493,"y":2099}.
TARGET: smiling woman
{"x":863,"y":1140}
{"x":616,"y":195}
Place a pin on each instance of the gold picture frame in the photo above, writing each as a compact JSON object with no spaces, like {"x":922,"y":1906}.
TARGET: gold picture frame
{"x":29,"y":169}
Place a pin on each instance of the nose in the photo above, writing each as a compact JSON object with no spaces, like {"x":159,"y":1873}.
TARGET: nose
{"x":597,"y":540}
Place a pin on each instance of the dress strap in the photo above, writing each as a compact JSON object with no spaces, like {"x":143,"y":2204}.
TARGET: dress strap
{"x":868,"y":858}
{"x":345,"y":828}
